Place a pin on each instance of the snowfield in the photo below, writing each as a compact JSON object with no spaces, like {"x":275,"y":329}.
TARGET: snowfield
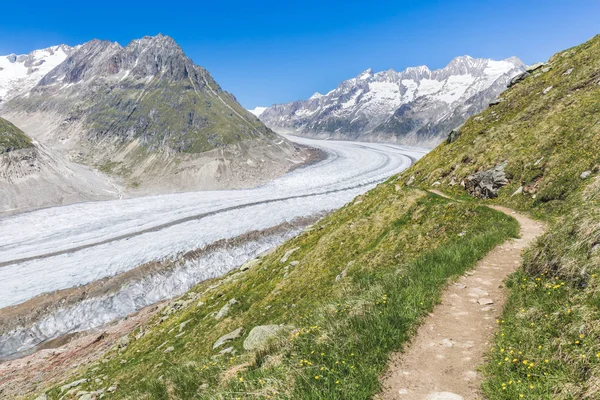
{"x":64,"y":247}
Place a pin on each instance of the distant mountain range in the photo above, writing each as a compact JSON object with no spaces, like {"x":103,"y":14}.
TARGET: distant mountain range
{"x":416,"y":106}
{"x":144,"y":113}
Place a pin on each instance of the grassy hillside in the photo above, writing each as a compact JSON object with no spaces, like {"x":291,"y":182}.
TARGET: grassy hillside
{"x":547,"y":131}
{"x":393,"y":250}
{"x":11,"y":137}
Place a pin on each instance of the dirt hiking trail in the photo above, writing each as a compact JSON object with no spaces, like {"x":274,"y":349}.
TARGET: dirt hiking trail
{"x":442,"y":360}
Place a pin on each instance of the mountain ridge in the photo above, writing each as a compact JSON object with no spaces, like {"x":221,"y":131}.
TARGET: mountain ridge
{"x":148,"y":115}
{"x":373,"y":106}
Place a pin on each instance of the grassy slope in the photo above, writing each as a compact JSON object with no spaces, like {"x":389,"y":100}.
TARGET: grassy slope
{"x":11,"y":137}
{"x":405,"y":245}
{"x":394,"y":235}
{"x":548,"y":343}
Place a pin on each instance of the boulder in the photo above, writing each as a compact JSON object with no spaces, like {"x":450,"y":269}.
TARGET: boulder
{"x":71,"y":385}
{"x":225,"y":309}
{"x":521,"y":77}
{"x":249,"y":264}
{"x":497,"y":101}
{"x":485,"y":184}
{"x":453,"y":135}
{"x":535,"y":67}
{"x":585,"y":174}
{"x":227,"y":338}
{"x":260,"y":335}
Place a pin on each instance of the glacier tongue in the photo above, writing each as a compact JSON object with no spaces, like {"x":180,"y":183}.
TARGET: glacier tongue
{"x":95,"y":312}
{"x":62,"y":248}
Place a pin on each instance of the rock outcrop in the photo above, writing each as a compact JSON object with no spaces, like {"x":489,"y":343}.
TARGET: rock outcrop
{"x":259,"y":336}
{"x":485,"y":184}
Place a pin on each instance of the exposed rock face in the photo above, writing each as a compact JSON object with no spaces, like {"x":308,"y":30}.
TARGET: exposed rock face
{"x":414,"y":106}
{"x":147,"y":112}
{"x":518,"y":78}
{"x":32,"y":176}
{"x":485,"y":184}
{"x":453,"y":135}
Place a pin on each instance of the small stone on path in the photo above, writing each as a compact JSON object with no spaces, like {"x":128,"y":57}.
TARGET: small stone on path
{"x":444,"y":396}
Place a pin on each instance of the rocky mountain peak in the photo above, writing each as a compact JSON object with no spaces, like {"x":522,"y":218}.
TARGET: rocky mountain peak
{"x":413,"y":102}
{"x":149,"y":56}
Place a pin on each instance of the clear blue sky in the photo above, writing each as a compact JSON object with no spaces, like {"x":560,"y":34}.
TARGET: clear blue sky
{"x":267,"y":52}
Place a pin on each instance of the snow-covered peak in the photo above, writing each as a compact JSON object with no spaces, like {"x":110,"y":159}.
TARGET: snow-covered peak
{"x":317,"y":95}
{"x":20,"y":73}
{"x":365,"y":74}
{"x":362,"y":104}
{"x":258,"y":110}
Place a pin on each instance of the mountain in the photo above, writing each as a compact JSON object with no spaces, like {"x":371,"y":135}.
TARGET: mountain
{"x":33,"y":176}
{"x":416,"y":105}
{"x":258,"y":111}
{"x":319,"y":316}
{"x":19,"y":73}
{"x":146,"y":113}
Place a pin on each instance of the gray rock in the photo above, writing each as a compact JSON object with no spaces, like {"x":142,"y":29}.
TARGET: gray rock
{"x":497,"y":101}
{"x":294,"y":263}
{"x":444,"y":396}
{"x":123,"y":342}
{"x":42,"y":396}
{"x":260,"y":335}
{"x":227,"y":350}
{"x":518,"y":191}
{"x":453,"y":135}
{"x":183,"y":324}
{"x":549,"y":88}
{"x":225,"y":309}
{"x":519,"y":78}
{"x":249,"y":264}
{"x":343,"y":274}
{"x":227,"y":338}
{"x":485,"y":184}
{"x":112,"y":389}
{"x":569,"y":71}
{"x":169,"y":349}
{"x":288,"y":254}
{"x":535,"y":67}
{"x":72,"y":384}
{"x":585,"y":174}
{"x":410,"y":181}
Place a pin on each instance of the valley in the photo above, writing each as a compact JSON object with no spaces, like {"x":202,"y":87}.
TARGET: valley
{"x":60,"y":248}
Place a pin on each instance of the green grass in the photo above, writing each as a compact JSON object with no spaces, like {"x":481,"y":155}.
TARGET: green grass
{"x":401,"y":246}
{"x":405,"y":247}
{"x":547,"y":141}
{"x":12,"y":138}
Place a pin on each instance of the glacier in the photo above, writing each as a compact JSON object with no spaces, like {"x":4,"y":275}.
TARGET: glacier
{"x":65,"y":247}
